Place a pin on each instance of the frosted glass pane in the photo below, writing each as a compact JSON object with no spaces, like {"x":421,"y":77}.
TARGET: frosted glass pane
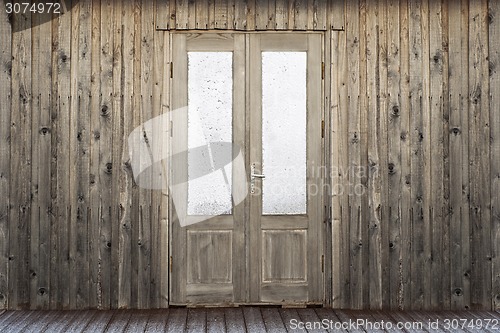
{"x":210,"y":82}
{"x":284,"y":132}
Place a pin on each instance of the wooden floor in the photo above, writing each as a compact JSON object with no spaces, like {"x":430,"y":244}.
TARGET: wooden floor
{"x":246,"y":319}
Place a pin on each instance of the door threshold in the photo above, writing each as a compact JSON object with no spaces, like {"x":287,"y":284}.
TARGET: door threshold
{"x":290,"y":305}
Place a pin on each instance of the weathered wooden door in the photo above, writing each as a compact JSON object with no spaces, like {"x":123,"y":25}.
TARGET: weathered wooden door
{"x":258,"y":95}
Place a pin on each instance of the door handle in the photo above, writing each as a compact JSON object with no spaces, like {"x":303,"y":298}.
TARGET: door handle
{"x":257,"y":176}
{"x":254,"y":175}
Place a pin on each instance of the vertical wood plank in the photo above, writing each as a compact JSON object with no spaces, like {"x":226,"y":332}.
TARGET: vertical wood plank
{"x":35,"y":163}
{"x":271,"y":16}
{"x":485,"y":152}
{"x":222,"y":15}
{"x":416,"y":136}
{"x":73,"y":165}
{"x":44,"y":173}
{"x":383,"y":148}
{"x":354,"y":150}
{"x":159,"y":80}
{"x":374,"y":186}
{"x":281,"y":14}
{"x":337,"y":14}
{"x":343,"y":164}
{"x":240,"y":14}
{"x":261,"y":14}
{"x":191,"y":13}
{"x":118,"y":101}
{"x":455,"y":141}
{"x":291,"y":14}
{"x":211,"y":14}
{"x":445,"y":206}
{"x":136,"y":121}
{"x":426,"y":154}
{"x":464,"y":110}
{"x":320,"y":8}
{"x":164,"y":211}
{"x":201,"y":20}
{"x":131,"y":45}
{"x":300,"y":14}
{"x":95,"y":136}
{"x":494,"y":99}
{"x":251,"y":15}
{"x":64,"y":61}
{"x":181,"y":14}
{"x":362,"y":211}
{"x":336,"y":215}
{"x":173,"y":14}
{"x":106,"y":119}
{"x":404,"y":301}
{"x":162,"y":9}
{"x":81,"y":149}
{"x":436,"y":151}
{"x":393,"y":212}
{"x":144,"y":237}
{"x":5,"y":147}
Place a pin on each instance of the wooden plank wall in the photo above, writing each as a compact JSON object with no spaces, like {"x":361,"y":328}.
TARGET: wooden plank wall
{"x":414,"y":136}
{"x":250,"y":15}
{"x":415,"y":104}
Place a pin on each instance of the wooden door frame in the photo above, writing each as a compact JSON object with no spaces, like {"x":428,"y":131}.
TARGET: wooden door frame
{"x":326,"y":106}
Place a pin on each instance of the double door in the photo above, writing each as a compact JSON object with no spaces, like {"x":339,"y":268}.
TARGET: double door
{"x":246,"y":185}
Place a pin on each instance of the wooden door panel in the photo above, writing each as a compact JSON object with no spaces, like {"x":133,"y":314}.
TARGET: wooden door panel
{"x":209,"y":256}
{"x":284,"y":256}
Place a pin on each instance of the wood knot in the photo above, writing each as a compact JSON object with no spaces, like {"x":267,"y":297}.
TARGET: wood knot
{"x":420,"y":136}
{"x":42,"y":291}
{"x":391,"y":245}
{"x":109,"y":168}
{"x":64,"y":58}
{"x":391,"y":168}
{"x":455,"y":130}
{"x":458,"y":292}
{"x":97,"y":135}
{"x":491,"y":68}
{"x":108,"y":245}
{"x":79,"y":136}
{"x":105,"y":111}
{"x":395,"y":111}
{"x":44,"y":130}
{"x":402,"y":136}
{"x":355,"y":138}
{"x":8,"y":68}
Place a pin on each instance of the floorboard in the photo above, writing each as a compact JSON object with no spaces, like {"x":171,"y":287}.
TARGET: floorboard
{"x":272,"y":320}
{"x":246,"y":319}
{"x":157,"y":321}
{"x":253,"y":320}
{"x":234,"y":322}
{"x":176,"y":320}
{"x":215,"y":320}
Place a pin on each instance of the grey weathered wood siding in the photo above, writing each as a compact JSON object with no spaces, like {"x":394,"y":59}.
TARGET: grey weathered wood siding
{"x":413,"y":127}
